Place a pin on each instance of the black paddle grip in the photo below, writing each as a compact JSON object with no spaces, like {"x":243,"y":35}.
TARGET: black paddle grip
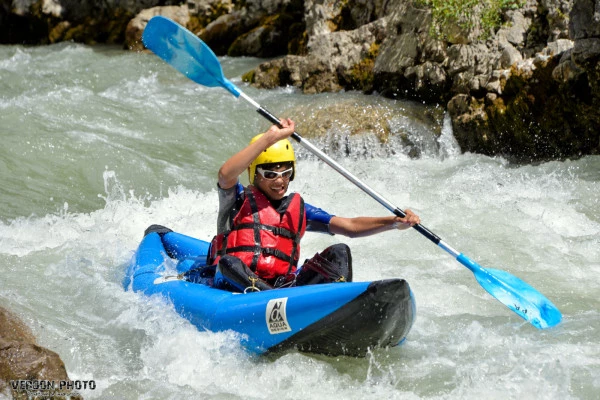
{"x":267,"y":114}
{"x":420,"y":228}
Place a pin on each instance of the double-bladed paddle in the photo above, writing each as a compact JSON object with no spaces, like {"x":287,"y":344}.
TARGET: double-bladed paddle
{"x":192,"y":57}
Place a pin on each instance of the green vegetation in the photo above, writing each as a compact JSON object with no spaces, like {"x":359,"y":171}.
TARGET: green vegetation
{"x":360,"y":76}
{"x":447,"y":14}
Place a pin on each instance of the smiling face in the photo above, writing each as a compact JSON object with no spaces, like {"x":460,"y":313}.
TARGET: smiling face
{"x":274,"y":189}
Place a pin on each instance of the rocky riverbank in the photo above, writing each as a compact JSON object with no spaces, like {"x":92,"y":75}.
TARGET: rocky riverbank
{"x":527,"y":88}
{"x":27,"y":369}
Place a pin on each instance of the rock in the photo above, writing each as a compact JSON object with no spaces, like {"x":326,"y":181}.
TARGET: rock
{"x":566,"y":71}
{"x":368,"y":129}
{"x":270,"y":38}
{"x":258,"y":28}
{"x":516,"y":32}
{"x":308,"y":73}
{"x":536,"y":75}
{"x":325,"y":17}
{"x":222,"y":32}
{"x":22,"y":359}
{"x":509,"y":57}
{"x":585,"y":17}
{"x":586,"y":53}
{"x":541,"y":92}
{"x":51,"y":21}
{"x":459,"y":104}
{"x":511,"y":94}
{"x":209,"y":8}
{"x":472,"y":132}
{"x":135,"y":27}
{"x":410,"y":62}
{"x":52,"y":8}
{"x":347,"y":117}
{"x":342,"y":56}
{"x":558,"y":47}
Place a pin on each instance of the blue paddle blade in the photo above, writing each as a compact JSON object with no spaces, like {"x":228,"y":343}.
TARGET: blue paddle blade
{"x":185,"y":52}
{"x":515,"y":294}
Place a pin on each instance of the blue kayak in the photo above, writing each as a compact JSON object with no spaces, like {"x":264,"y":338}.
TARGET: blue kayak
{"x":346,"y":318}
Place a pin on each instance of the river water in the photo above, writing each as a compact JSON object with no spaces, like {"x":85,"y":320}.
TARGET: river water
{"x":98,"y":143}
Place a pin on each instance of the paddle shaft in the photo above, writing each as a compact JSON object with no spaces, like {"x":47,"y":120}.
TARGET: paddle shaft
{"x":346,"y":174}
{"x":517,"y":295}
{"x":189,"y":55}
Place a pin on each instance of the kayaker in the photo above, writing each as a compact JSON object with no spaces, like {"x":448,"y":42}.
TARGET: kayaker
{"x":259,"y":228}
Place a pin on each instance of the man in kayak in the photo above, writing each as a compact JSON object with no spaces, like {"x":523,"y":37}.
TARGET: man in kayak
{"x":259,"y":228}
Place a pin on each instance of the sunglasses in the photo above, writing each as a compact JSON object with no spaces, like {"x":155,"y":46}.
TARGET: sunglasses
{"x":271,"y":175}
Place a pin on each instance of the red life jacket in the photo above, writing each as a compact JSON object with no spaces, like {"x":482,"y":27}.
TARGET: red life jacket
{"x":266,"y":239}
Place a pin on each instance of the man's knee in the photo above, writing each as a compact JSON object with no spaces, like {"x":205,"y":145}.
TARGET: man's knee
{"x":334,"y":264}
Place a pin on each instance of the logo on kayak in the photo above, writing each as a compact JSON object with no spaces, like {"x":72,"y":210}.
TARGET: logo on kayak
{"x":276,"y":316}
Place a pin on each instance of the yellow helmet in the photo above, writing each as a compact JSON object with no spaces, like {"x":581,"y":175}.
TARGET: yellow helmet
{"x":280,"y":152}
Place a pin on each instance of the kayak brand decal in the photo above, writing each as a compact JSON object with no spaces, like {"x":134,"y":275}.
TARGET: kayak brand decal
{"x":276,"y":316}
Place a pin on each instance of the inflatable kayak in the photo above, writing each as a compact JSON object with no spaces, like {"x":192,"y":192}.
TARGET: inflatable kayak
{"x":346,"y":318}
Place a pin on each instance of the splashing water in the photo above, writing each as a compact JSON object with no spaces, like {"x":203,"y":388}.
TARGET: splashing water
{"x":99,"y":143}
